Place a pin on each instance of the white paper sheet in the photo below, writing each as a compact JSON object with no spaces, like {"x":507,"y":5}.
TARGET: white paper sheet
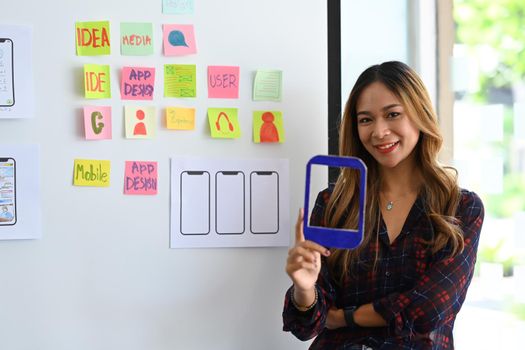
{"x":27,"y":192}
{"x":16,"y":72}
{"x":229,"y":202}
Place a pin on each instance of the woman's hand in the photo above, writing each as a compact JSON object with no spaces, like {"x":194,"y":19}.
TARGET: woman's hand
{"x":303,"y":265}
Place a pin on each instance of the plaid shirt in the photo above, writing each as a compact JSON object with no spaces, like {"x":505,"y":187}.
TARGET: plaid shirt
{"x":417,"y":293}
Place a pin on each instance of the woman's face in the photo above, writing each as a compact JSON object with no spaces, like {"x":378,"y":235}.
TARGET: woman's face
{"x":385,"y":129}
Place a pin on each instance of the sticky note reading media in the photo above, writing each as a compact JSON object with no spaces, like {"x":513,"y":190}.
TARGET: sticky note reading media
{"x":89,"y":172}
{"x":136,"y":39}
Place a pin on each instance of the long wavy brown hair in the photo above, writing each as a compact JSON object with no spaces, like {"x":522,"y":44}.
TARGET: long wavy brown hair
{"x":440,"y":191}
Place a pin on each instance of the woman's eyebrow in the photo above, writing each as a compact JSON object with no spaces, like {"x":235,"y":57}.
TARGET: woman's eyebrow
{"x":385,"y":108}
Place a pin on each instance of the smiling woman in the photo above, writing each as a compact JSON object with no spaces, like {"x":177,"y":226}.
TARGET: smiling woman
{"x":405,"y":284}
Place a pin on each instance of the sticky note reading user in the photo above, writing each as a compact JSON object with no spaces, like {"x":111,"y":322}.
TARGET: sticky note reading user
{"x":92,"y":38}
{"x":224,"y":123}
{"x":138,"y":83}
{"x":180,"y":80}
{"x":178,"y":39}
{"x":136,"y":39}
{"x":267,"y":85}
{"x":97,"y":122}
{"x":178,"y":118}
{"x":140,"y":122}
{"x":90,"y":172}
{"x":177,"y":7}
{"x":223,"y":82}
{"x":97,"y":81}
{"x":140,"y":178}
{"x":268,"y":127}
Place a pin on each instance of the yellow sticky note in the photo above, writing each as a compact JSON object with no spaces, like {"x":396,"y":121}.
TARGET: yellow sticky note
{"x":92,"y":38}
{"x":178,"y":118}
{"x":224,"y":123}
{"x":97,"y":81}
{"x":91,"y":172}
{"x":268,"y":127}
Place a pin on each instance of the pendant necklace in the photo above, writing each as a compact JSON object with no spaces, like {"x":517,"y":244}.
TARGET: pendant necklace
{"x":389,"y":205}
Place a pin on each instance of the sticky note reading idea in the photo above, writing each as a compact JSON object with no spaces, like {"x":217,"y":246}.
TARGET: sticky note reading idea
{"x":140,"y":178}
{"x":88,"y":172}
{"x":137,"y":83}
{"x":97,"y":81}
{"x":92,"y":38}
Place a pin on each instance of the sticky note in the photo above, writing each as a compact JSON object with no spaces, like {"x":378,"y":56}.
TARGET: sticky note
{"x":267,"y":85}
{"x":178,"y":118}
{"x":268,"y":127}
{"x":177,"y":7}
{"x":223,"y":82}
{"x":140,"y":122}
{"x":178,"y":39}
{"x":180,"y":80}
{"x":92,"y":38}
{"x":97,"y":81}
{"x":224,"y":123}
{"x":136,"y":39}
{"x":140,"y":178}
{"x":138,"y":83}
{"x":91,"y":172}
{"x":97,"y":122}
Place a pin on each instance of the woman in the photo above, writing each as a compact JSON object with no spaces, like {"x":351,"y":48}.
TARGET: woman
{"x":403,"y":286}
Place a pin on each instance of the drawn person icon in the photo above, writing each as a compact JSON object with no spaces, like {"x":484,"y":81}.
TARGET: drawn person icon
{"x":140,"y":128}
{"x":5,"y":215}
{"x":268,"y":131}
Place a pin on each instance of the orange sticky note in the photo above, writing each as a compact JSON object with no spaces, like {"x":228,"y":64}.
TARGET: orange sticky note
{"x":178,"y":118}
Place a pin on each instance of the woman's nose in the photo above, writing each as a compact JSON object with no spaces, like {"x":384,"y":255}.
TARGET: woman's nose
{"x":380,"y":130}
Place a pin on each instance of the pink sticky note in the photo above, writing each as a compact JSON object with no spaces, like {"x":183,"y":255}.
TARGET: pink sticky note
{"x":97,"y":122}
{"x":138,"y":83}
{"x":140,"y":178}
{"x":223,"y":82}
{"x":178,"y":39}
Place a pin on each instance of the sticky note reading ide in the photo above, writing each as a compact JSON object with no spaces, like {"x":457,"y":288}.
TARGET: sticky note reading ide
{"x":333,"y":237}
{"x":88,"y":172}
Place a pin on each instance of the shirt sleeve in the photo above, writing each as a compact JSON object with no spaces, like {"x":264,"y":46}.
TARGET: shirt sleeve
{"x":439,"y":294}
{"x":308,"y":324}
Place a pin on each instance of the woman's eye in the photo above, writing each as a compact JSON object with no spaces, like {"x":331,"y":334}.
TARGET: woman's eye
{"x":364,"y":120}
{"x":393,"y":114}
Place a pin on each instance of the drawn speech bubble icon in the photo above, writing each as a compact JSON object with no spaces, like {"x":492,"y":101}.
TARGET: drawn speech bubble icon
{"x":176,"y":38}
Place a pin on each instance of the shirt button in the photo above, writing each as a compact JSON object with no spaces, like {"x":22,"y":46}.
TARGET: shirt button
{"x":387,"y":274}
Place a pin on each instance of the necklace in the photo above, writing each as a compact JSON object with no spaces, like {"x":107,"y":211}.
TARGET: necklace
{"x":390,"y":204}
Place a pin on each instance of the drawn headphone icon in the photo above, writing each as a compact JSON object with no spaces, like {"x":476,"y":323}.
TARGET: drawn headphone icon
{"x":218,"y":125}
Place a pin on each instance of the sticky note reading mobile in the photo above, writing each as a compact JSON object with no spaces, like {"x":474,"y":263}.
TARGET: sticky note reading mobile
{"x":335,"y":237}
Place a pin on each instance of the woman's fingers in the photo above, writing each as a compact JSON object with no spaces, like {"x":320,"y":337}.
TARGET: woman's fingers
{"x":299,"y":234}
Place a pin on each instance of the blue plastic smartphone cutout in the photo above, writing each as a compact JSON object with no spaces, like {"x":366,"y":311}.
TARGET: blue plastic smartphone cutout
{"x":333,"y":237}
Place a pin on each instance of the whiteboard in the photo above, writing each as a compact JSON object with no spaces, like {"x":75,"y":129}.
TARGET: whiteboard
{"x":103,"y":276}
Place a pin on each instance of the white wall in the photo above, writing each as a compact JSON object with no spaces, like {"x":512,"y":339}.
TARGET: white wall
{"x":102,"y":276}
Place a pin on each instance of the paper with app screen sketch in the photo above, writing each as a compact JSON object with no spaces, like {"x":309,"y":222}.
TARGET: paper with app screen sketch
{"x":16,"y":77}
{"x":20,"y":191}
{"x":229,"y":202}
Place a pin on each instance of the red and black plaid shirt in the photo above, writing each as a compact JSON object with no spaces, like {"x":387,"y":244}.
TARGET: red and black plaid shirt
{"x":417,"y":293}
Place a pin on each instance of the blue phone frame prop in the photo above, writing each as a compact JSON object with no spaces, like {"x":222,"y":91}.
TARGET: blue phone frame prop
{"x":333,"y":237}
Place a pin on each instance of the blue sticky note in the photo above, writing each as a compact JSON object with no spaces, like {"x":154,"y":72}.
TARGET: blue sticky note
{"x":335,"y":237}
{"x":177,"y":7}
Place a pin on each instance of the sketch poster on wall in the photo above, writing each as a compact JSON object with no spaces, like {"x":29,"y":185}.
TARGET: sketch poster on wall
{"x":229,"y":202}
{"x":19,"y":192}
{"x":16,"y":75}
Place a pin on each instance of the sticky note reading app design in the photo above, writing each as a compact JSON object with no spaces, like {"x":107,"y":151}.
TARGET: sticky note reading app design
{"x":7,"y":191}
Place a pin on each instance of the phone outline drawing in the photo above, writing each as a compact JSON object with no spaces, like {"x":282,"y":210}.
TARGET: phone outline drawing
{"x":192,"y":201}
{"x":256,"y":208}
{"x":226,"y":208}
{"x":5,"y":203}
{"x":9,"y":72}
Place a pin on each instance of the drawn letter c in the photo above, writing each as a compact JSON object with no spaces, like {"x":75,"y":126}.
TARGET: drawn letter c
{"x":97,"y":127}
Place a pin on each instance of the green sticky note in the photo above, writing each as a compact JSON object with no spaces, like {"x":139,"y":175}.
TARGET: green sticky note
{"x":267,"y":85}
{"x":224,"y":123}
{"x":180,"y":80}
{"x":136,"y":39}
{"x":97,"y":81}
{"x":268,"y":127}
{"x":92,"y":38}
